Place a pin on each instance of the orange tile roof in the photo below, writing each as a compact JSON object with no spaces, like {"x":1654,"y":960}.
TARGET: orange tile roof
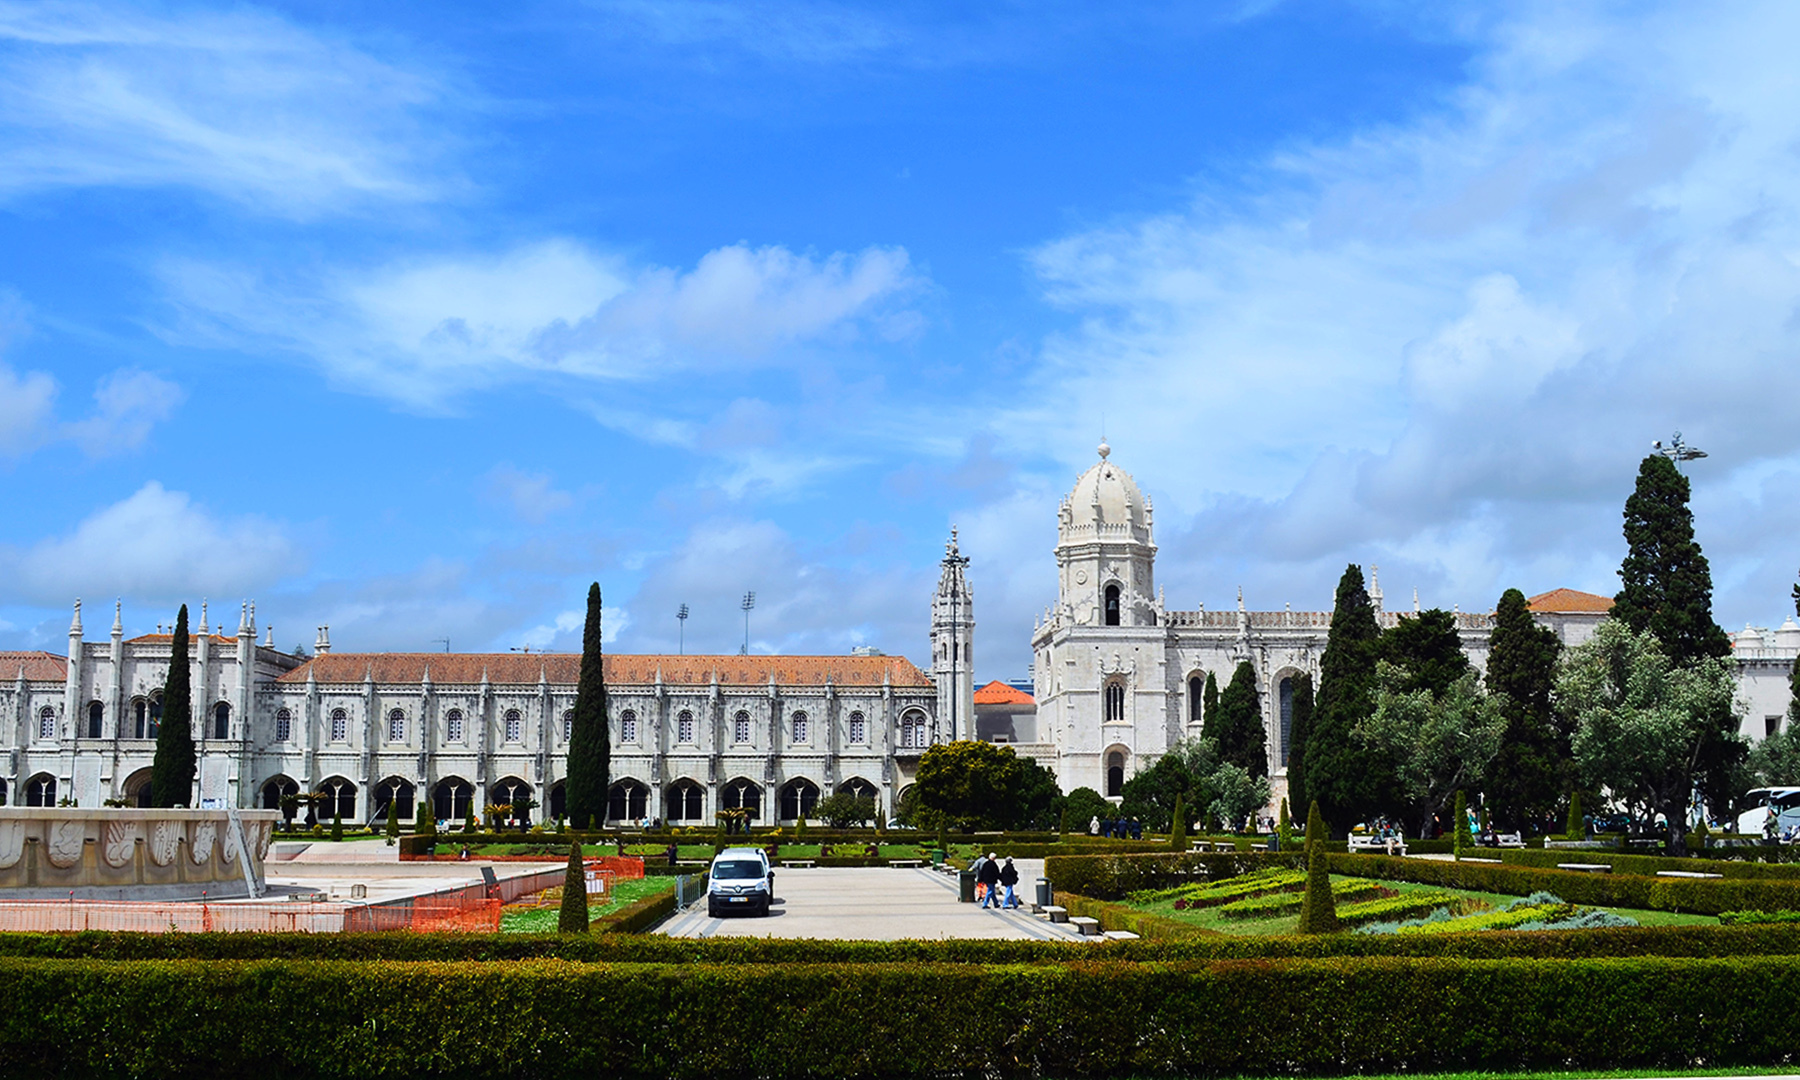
{"x":1570,"y":601}
{"x":39,"y":666}
{"x":565,"y":668}
{"x":999,"y":693}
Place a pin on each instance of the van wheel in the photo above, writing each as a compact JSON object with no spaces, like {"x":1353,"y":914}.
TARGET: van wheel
{"x":712,"y":910}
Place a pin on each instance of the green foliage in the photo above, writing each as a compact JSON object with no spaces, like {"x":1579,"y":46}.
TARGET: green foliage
{"x":1191,"y":771}
{"x":572,"y":917}
{"x":590,"y":733}
{"x":1236,"y":726}
{"x":1212,"y":894}
{"x":1113,"y":877}
{"x":1178,"y":827}
{"x":1576,"y":827}
{"x":1298,"y":732}
{"x":1666,"y":584}
{"x":1275,"y":905}
{"x":1338,"y":766}
{"x":1459,"y":825}
{"x":392,"y":831}
{"x":172,"y":769}
{"x":337,"y":823}
{"x":1237,"y":794}
{"x":978,"y":785}
{"x":843,"y":810}
{"x":1284,"y":829}
{"x":1648,"y":865}
{"x":1532,"y":770}
{"x":424,"y":824}
{"x":1083,"y":805}
{"x":1642,"y":723}
{"x":1318,"y":912}
{"x":1433,"y":742}
{"x":470,"y":824}
{"x":1209,"y":697}
{"x":1776,"y":759}
{"x":1404,"y":906}
{"x":1427,"y":650}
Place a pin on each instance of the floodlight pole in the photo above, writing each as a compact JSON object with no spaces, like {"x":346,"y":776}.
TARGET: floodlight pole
{"x":681,"y":639}
{"x":1677,"y":451}
{"x":748,"y":602}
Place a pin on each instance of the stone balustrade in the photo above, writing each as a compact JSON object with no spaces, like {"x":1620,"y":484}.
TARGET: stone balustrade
{"x":127,"y":853}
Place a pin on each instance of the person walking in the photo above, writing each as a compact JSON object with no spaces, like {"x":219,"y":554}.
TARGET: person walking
{"x":1009,"y":877}
{"x":987,"y":878}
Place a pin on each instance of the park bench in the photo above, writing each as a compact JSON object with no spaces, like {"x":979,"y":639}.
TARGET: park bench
{"x":907,"y":864}
{"x":1120,"y":935}
{"x":1477,"y":858}
{"x":797,"y":864}
{"x":1375,"y":845}
{"x":1088,"y":927}
{"x":1511,"y":840}
{"x":1204,"y":847}
{"x":1259,"y":847}
{"x":1057,"y":913}
{"x":1686,"y":874}
{"x":1585,"y":867}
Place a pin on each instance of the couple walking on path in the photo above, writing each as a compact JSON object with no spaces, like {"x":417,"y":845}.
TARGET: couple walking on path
{"x":990,"y":875}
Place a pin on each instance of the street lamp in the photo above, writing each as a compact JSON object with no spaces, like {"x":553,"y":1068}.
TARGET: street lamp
{"x":1676,"y":450}
{"x":681,"y":639}
{"x":748,"y":602}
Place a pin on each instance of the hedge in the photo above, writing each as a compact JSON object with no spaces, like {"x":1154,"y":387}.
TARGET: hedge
{"x":1288,"y":902}
{"x":1143,"y":923}
{"x":1113,"y":877}
{"x":547,"y":1019}
{"x":637,"y":916}
{"x":1648,"y":865}
{"x":1696,"y":896}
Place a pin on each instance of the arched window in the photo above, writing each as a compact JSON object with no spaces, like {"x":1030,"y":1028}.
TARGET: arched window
{"x":453,"y":732}
{"x":221,"y":721}
{"x":857,"y":788}
{"x":684,"y":727}
{"x":1285,"y":694}
{"x":1115,"y":773}
{"x":912,"y":730}
{"x":799,"y":727}
{"x":40,"y":790}
{"x":1112,"y":605}
{"x":340,"y":725}
{"x":451,"y":798}
{"x":284,"y":725}
{"x":515,"y":726}
{"x":628,"y":729}
{"x":684,"y":801}
{"x":740,"y":727}
{"x":139,"y":717}
{"x":568,"y":726}
{"x":96,"y":719}
{"x":859,"y":729}
{"x":273,"y":791}
{"x":46,"y":723}
{"x":1196,"y":698}
{"x":396,"y":726}
{"x":742,"y":794}
{"x":798,"y":797}
{"x":396,"y":792}
{"x":1115,"y":702}
{"x":628,"y":800}
{"x":339,"y":799}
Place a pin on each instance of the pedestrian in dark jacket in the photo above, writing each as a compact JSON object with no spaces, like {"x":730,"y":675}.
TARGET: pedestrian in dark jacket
{"x":1009,"y":877}
{"x":989,"y":875}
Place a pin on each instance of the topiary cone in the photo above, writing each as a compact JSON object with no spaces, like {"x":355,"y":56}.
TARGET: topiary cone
{"x":1318,"y":911}
{"x":572,"y":918}
{"x":1459,"y":838}
{"x":1573,"y":829}
{"x":1178,"y":826}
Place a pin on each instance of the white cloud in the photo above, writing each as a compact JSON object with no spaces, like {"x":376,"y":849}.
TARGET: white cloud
{"x":128,"y":405}
{"x":237,"y":103}
{"x":1442,"y":345}
{"x":27,"y":404}
{"x":532,"y":496}
{"x":425,"y":330}
{"x":156,"y":544}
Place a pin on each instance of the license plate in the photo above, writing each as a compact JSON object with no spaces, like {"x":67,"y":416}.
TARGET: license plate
{"x":740,"y":899}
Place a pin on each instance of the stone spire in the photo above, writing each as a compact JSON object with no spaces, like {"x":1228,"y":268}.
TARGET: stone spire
{"x":118,"y":626}
{"x":1375,"y":588}
{"x":75,"y":623}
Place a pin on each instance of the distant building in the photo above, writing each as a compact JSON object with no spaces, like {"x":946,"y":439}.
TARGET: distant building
{"x":1005,"y":714}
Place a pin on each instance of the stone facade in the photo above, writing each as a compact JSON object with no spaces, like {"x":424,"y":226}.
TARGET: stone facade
{"x":129,"y":853}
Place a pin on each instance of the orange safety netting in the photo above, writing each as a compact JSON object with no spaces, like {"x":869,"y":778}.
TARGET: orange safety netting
{"x":622,"y":867}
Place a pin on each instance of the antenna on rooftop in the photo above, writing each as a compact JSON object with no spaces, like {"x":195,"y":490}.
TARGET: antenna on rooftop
{"x":748,"y":602}
{"x":444,"y":641}
{"x":1677,"y":451}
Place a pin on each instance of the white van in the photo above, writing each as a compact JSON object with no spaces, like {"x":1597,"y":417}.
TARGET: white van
{"x":740,"y":880}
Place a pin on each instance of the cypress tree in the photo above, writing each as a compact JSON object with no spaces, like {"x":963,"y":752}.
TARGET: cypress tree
{"x":1239,"y":727}
{"x":572,"y":917}
{"x":1284,"y":829}
{"x":1298,"y":731}
{"x":1178,"y":826}
{"x":1318,"y":909}
{"x":1337,"y":766}
{"x":424,"y":824}
{"x":1574,"y":828}
{"x":1666,"y":582}
{"x":337,"y":823}
{"x":172,"y":769}
{"x":1459,"y":839}
{"x":393,"y":820}
{"x":469,"y":825}
{"x":1209,"y":698}
{"x":1532,"y":768}
{"x":590,"y":738}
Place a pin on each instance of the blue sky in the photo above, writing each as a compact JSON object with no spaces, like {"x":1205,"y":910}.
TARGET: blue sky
{"x":414,"y":318}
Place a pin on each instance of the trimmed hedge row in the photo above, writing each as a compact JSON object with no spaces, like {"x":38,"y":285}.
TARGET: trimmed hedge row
{"x":196,"y":1019}
{"x":1120,"y":917}
{"x":1672,"y":941}
{"x":1113,"y":877}
{"x":637,"y":916}
{"x":1700,"y":897}
{"x":1648,"y":865}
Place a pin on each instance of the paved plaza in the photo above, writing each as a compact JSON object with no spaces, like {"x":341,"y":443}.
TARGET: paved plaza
{"x":875,"y":904}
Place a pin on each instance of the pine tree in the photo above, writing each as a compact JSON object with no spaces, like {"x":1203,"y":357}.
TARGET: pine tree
{"x":590,"y":737}
{"x":1209,"y":698}
{"x":1318,"y":909}
{"x":1667,"y":584}
{"x":172,"y":769}
{"x":1532,"y":770}
{"x":1298,"y":732}
{"x":1337,"y":766}
{"x":572,"y":917}
{"x":1178,"y":826}
{"x":1237,"y":726}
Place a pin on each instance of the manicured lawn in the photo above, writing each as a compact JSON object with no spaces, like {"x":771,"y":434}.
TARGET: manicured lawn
{"x":543,"y":920}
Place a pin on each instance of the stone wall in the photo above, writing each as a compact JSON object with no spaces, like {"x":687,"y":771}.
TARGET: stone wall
{"x":127,"y":853}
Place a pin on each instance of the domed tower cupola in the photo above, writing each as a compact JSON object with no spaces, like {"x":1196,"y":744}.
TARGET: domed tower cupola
{"x":1105,"y":553}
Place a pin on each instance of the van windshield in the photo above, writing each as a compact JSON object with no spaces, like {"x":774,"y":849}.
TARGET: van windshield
{"x":727,"y":871}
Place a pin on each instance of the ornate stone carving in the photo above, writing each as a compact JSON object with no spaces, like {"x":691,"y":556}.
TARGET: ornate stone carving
{"x":66,"y":840}
{"x":165,"y":840}
{"x":261,"y":834}
{"x":12,"y":843}
{"x":121,"y":842}
{"x":204,"y":839}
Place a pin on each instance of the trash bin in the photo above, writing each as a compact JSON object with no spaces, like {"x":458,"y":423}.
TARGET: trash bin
{"x":1043,"y":892}
{"x":965,"y":886}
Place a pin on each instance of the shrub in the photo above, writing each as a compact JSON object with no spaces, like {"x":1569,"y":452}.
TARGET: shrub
{"x":337,"y":825}
{"x":1648,"y":865}
{"x":1286,"y":903}
{"x":573,"y":916}
{"x":1403,"y":906}
{"x":1574,"y":829}
{"x":1178,"y":826}
{"x":1201,"y":894}
{"x":1112,"y":877}
{"x":424,"y":824}
{"x":1318,"y":912}
{"x":1284,"y":829}
{"x":1459,"y":825}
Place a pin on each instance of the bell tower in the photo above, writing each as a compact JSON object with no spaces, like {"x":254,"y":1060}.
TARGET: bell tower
{"x":953,"y":647}
{"x":1105,"y":554}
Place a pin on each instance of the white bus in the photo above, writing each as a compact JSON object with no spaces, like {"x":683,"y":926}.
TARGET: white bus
{"x":1785,"y":801}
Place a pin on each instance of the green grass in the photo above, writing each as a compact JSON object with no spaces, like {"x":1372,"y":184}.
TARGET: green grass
{"x":543,"y":920}
{"x":1597,"y":1074}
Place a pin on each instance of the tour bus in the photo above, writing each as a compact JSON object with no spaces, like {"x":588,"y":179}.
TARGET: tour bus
{"x":1784,"y":800}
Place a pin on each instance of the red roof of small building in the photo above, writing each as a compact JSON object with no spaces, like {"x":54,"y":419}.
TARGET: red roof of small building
{"x":999,"y":693}
{"x":39,"y":666}
{"x":1570,"y":601}
{"x":565,"y":669}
